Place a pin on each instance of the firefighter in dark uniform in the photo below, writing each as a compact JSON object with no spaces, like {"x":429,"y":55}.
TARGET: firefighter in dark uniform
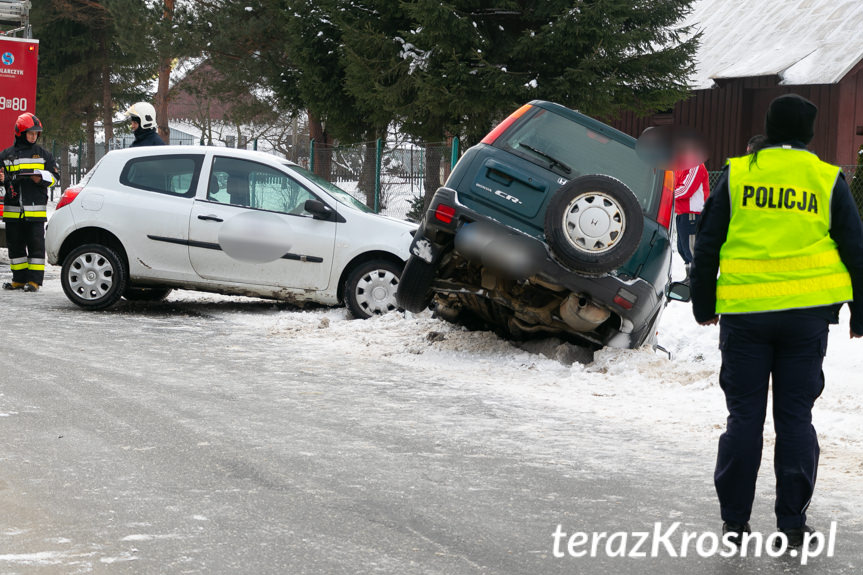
{"x":142,"y":121}
{"x":28,"y":171}
{"x":783,"y":232}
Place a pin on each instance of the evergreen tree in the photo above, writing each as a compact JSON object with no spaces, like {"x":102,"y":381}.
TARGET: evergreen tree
{"x":91,"y":52}
{"x":456,"y":67}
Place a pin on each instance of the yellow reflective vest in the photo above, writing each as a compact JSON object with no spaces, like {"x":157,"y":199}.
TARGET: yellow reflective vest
{"x":779,"y":254}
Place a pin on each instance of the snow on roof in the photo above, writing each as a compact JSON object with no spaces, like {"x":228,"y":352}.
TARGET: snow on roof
{"x":801,"y":41}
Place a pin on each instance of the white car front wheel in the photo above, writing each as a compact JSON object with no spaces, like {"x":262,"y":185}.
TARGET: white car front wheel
{"x":370,"y":288}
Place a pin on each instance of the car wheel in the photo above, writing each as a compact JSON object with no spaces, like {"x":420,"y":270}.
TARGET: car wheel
{"x":93,"y":276}
{"x":594,"y":224}
{"x":414,"y":294}
{"x":146,"y":294}
{"x":370,"y":288}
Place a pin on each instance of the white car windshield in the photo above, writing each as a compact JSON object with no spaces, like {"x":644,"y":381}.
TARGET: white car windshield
{"x":336,"y":192}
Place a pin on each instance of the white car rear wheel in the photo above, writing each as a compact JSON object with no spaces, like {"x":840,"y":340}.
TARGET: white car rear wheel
{"x":93,"y":276}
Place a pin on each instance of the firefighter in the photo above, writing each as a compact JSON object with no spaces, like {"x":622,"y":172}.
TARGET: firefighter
{"x":783,"y":231}
{"x":142,"y":121}
{"x":28,"y":171}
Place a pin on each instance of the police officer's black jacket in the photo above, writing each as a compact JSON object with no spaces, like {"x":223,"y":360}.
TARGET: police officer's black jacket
{"x":147,"y":137}
{"x":846,"y":230}
{"x":22,"y":191}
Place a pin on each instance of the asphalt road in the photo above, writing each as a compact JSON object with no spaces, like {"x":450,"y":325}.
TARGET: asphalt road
{"x":183,"y":438}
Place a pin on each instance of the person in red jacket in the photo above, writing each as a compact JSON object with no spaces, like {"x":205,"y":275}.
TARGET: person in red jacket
{"x":691,"y":191}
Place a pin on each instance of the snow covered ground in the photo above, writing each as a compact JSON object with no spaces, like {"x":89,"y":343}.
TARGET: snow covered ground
{"x":262,"y":418}
{"x":678,"y":397}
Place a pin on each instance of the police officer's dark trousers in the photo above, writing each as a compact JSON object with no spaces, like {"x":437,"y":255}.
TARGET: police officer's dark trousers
{"x":26,"y":242}
{"x":790,"y":347}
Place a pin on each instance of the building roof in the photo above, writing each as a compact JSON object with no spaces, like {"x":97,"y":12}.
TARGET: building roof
{"x":801,"y":41}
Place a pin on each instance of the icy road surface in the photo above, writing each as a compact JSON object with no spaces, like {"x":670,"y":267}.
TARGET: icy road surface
{"x":219,"y":435}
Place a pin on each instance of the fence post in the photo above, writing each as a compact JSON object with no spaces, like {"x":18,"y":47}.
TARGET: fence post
{"x":78,"y":167}
{"x":454,"y":157}
{"x":255,"y":144}
{"x":378,"y":153}
{"x":312,"y":155}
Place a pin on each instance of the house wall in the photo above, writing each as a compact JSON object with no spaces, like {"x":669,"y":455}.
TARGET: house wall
{"x":729,"y":114}
{"x":185,"y":106}
{"x":849,"y":138}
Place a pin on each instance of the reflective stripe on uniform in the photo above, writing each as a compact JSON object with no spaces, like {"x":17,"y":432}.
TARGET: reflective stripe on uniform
{"x":35,"y":211}
{"x":783,"y":288}
{"x":48,"y":177}
{"x":778,"y":265}
{"x":30,"y":165}
{"x":11,"y":209}
{"x":37,"y":264}
{"x":22,"y":266}
{"x":17,"y":260}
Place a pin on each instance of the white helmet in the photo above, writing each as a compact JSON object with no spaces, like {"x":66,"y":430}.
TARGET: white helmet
{"x":145,"y":114}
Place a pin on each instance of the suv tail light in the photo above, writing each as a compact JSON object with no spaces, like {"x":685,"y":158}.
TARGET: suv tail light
{"x":501,"y":128}
{"x":666,"y":203}
{"x":69,"y":196}
{"x":625,"y":299}
{"x":444,"y":213}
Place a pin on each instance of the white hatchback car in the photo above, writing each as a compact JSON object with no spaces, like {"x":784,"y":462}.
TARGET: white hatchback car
{"x":146,"y":220}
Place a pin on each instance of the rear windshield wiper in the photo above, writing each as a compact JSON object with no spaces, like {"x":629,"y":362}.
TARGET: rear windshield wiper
{"x":554,"y":161}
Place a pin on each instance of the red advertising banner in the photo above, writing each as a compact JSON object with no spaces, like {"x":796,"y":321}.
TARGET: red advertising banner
{"x":19,"y":59}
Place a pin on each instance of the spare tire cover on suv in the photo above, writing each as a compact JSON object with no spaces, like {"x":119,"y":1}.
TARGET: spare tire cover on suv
{"x":593,"y":224}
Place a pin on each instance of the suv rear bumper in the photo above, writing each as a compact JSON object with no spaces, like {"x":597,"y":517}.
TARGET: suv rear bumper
{"x":437,"y":236}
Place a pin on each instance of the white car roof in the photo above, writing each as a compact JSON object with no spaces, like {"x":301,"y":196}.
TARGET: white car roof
{"x":144,"y":151}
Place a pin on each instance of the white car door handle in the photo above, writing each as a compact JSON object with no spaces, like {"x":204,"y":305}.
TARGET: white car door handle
{"x":211,"y":218}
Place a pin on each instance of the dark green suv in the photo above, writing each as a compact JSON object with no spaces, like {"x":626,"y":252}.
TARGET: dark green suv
{"x":553,"y":224}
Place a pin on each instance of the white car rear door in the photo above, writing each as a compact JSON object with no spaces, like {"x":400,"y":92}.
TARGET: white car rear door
{"x":151,"y":210}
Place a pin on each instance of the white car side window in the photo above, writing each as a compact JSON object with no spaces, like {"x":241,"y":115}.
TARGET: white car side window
{"x":172,"y":175}
{"x":245,"y":183}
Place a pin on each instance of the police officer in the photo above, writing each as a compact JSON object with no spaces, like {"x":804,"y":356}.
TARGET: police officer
{"x":28,"y":171}
{"x":784,"y":234}
{"x":142,"y":120}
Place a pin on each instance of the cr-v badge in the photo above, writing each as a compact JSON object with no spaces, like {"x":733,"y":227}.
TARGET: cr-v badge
{"x":501,"y":194}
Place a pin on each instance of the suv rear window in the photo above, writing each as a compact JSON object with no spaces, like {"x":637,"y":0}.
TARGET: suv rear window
{"x":571,"y":150}
{"x":173,"y":175}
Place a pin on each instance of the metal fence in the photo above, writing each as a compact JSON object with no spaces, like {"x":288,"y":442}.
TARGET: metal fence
{"x":391,"y":178}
